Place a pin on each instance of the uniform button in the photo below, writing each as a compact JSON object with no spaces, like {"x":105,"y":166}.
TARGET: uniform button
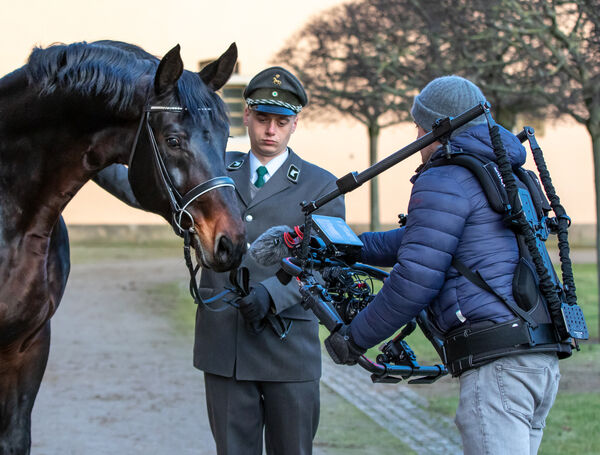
{"x":249,"y":217}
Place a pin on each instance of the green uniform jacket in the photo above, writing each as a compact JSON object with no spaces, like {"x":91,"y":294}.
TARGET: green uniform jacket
{"x":223,"y":345}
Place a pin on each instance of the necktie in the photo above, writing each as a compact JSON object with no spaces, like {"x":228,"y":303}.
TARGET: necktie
{"x":260,"y":180}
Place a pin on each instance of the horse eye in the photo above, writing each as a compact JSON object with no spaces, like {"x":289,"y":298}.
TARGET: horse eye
{"x":173,"y":142}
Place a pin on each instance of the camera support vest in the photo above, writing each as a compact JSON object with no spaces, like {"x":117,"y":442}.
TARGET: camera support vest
{"x":533,"y":327}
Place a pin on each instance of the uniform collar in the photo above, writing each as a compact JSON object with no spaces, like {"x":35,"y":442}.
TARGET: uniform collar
{"x":272,"y":166}
{"x":281,"y":180}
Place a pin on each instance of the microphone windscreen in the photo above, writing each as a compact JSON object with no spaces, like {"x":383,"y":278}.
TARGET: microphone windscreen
{"x":269,"y":248}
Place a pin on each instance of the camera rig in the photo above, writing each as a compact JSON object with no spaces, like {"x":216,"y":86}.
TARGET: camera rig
{"x":344,"y":289}
{"x":348,"y":286}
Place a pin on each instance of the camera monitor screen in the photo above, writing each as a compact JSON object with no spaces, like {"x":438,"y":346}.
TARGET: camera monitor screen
{"x":336,"y":231}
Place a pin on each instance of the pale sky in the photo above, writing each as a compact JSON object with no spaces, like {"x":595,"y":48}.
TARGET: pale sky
{"x":204,"y":29}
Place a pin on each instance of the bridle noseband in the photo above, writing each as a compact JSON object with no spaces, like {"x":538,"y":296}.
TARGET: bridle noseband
{"x":178,"y":202}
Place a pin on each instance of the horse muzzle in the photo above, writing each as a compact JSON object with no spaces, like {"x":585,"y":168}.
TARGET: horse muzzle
{"x":226,"y":252}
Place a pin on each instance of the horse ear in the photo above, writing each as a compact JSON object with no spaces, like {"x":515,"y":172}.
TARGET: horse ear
{"x":169,"y":70}
{"x":217,"y":73}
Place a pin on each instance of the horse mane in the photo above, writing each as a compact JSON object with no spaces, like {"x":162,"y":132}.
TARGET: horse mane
{"x":112,"y":69}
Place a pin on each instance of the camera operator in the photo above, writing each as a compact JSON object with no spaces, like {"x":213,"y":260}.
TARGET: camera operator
{"x":503,"y":403}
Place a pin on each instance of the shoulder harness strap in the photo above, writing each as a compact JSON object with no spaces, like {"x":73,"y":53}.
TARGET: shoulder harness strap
{"x":477,"y":280}
{"x":486,"y":173}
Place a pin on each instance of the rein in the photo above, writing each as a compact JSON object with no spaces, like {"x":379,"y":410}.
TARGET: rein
{"x":237,"y":292}
{"x":178,"y":202}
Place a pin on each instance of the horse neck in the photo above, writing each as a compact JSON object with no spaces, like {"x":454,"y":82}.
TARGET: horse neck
{"x":47,"y":153}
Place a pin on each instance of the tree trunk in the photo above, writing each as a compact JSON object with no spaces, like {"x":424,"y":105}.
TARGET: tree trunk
{"x":595,"y":135}
{"x":375,"y":224}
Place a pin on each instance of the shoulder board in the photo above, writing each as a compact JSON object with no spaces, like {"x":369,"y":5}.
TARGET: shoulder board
{"x":486,"y":172}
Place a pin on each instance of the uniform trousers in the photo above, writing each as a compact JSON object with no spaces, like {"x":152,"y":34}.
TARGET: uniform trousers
{"x":503,"y":405}
{"x":239,"y":411}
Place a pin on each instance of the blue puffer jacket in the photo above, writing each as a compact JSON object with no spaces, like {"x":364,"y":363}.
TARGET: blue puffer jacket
{"x":448,"y":215}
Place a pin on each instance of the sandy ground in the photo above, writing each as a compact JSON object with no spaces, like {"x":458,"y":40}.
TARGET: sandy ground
{"x":118,"y":381}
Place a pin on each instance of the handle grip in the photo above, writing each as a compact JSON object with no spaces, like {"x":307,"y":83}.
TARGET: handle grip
{"x":315,"y":298}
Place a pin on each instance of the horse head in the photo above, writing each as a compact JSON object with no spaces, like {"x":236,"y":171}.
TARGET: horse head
{"x":71,"y":111}
{"x":177,"y":167}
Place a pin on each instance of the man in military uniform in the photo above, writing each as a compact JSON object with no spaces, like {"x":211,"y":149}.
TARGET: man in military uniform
{"x":257,"y":378}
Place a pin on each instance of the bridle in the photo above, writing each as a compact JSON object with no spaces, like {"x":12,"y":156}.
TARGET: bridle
{"x":179,"y":205}
{"x":178,"y":202}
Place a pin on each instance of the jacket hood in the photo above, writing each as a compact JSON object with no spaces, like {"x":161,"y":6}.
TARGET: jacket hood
{"x":477,"y":140}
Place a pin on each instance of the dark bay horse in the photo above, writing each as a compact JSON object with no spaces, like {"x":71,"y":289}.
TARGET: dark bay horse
{"x":71,"y":111}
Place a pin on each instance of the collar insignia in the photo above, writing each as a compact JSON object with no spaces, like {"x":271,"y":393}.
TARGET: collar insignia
{"x":235,"y":165}
{"x":293,"y":173}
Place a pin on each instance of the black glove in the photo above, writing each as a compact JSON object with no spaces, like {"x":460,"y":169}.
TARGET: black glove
{"x":255,"y":306}
{"x":342,"y":348}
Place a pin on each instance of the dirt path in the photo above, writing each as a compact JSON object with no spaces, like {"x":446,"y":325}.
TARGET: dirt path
{"x":118,"y":381}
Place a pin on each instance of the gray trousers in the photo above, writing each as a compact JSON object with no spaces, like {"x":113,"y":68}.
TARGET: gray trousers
{"x":503,"y":405}
{"x":239,"y":411}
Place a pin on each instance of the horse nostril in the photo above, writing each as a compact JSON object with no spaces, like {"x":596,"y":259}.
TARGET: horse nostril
{"x":224,"y":250}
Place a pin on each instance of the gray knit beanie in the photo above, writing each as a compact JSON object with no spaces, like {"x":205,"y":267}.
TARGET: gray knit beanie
{"x":447,"y":96}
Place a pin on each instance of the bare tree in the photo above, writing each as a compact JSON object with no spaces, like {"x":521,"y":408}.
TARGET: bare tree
{"x":535,"y":57}
{"x":368,"y":58}
{"x":474,"y":47}
{"x":344,"y":59}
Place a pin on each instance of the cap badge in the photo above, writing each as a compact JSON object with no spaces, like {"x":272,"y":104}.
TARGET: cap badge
{"x":235,"y":165}
{"x":274,"y":93}
{"x":293,"y":173}
{"x":276,"y":80}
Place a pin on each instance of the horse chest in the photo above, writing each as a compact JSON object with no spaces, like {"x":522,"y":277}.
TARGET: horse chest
{"x":27,"y":297}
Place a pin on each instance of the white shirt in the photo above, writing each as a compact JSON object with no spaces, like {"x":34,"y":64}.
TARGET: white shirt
{"x":271,"y":166}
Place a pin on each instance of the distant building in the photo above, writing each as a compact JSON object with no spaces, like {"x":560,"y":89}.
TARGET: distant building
{"x":231,"y":93}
